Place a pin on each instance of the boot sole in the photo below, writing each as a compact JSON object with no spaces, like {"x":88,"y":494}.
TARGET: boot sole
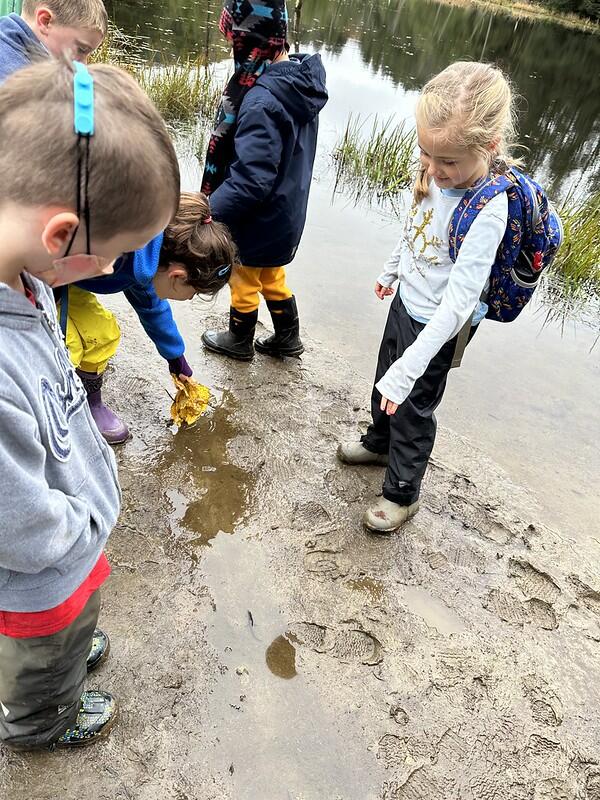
{"x":223,"y":352}
{"x":278,"y":353}
{"x":393,"y":529}
{"x":381,"y":461}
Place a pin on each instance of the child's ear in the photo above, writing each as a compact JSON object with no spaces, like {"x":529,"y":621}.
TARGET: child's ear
{"x":176,"y":271}
{"x":58,"y":231}
{"x":44,"y":19}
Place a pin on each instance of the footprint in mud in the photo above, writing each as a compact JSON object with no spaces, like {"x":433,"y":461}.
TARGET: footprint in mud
{"x":348,"y":643}
{"x":518,"y":612}
{"x":327,"y":562}
{"x":419,"y":785}
{"x":553,"y":789}
{"x":589,"y":596}
{"x":546,"y":707}
{"x":532,"y":582}
{"x":465,"y":507}
{"x":405,"y":754}
{"x":463,"y":557}
{"x":309,"y":514}
{"x":347,"y":484}
{"x":592,"y":786}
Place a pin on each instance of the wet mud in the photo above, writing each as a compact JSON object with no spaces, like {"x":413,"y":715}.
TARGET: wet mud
{"x":265,"y":647}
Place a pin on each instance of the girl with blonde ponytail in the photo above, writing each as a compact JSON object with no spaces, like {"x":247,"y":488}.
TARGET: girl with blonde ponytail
{"x":465,"y":127}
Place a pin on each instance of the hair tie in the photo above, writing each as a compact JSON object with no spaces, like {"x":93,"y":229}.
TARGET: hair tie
{"x":207,"y":220}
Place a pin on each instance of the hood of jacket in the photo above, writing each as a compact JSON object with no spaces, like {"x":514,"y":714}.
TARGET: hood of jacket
{"x":298,"y":84}
{"x":145,"y":261}
{"x":18,"y":44}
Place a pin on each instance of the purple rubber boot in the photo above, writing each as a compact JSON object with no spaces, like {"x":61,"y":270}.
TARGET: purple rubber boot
{"x":110,"y":426}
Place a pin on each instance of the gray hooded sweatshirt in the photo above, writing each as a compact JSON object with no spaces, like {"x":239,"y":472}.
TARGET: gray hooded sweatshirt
{"x":59,"y":493}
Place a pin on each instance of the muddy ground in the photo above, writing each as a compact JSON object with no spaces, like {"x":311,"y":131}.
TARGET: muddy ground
{"x":265,"y":648}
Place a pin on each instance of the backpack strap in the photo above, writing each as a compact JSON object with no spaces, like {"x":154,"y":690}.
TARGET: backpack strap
{"x":465,"y":213}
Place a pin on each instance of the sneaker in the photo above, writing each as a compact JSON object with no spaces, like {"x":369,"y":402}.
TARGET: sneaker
{"x":99,"y":651}
{"x":386,"y":517}
{"x":96,"y":717}
{"x":357,"y":453}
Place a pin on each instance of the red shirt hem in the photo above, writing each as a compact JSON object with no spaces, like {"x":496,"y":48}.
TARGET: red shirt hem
{"x":27,"y":624}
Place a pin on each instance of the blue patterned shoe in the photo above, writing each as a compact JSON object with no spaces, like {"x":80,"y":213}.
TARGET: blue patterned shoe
{"x":95,"y":719}
{"x":100,"y":649}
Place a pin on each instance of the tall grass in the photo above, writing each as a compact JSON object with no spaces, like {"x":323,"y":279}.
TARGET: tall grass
{"x":572,"y":286}
{"x":181,"y":89}
{"x":578,"y":260}
{"x":379,"y":165}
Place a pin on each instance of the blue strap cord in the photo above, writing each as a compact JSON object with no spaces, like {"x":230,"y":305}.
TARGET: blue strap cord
{"x":83,"y":100}
{"x":83,"y":123}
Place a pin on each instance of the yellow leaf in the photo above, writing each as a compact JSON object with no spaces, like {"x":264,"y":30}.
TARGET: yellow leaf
{"x":191,"y":401}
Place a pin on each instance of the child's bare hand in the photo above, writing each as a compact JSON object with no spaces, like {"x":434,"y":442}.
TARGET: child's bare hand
{"x":383,"y":291}
{"x":388,"y":406}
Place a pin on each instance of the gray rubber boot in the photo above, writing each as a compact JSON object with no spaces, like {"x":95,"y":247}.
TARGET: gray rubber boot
{"x":357,"y":453}
{"x":386,"y":517}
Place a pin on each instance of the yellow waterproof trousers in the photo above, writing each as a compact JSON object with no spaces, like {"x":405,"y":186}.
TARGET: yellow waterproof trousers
{"x":246,"y":283}
{"x":93,"y":332}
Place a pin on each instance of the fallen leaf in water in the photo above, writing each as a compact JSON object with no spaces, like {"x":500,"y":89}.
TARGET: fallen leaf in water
{"x":191,"y":401}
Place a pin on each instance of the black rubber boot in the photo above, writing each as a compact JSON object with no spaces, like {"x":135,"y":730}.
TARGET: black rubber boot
{"x":286,"y":339}
{"x":99,"y":650}
{"x":237,"y":342}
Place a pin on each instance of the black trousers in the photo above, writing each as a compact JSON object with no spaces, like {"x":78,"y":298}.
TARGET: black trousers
{"x":41,"y":680}
{"x":409,"y":434}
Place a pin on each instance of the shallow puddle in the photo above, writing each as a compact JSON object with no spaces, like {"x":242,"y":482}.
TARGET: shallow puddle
{"x":435,"y":613}
{"x":207,"y":493}
{"x":281,"y":658}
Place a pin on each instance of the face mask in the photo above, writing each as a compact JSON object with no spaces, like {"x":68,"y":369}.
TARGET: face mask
{"x":75,"y":268}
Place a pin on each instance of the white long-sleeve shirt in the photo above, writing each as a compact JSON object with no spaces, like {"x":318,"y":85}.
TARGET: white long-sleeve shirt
{"x":433,"y":289}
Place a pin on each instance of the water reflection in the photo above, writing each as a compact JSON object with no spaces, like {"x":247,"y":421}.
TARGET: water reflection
{"x":207,"y":493}
{"x":552,"y":68}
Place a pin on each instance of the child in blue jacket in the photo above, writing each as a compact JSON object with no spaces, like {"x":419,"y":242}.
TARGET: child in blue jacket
{"x":194,"y":255}
{"x":258,"y":172}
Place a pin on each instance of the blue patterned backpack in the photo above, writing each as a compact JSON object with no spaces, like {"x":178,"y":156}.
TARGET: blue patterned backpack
{"x":533,"y":235}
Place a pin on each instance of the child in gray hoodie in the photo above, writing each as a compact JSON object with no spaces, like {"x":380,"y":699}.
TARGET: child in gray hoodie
{"x":70,"y":203}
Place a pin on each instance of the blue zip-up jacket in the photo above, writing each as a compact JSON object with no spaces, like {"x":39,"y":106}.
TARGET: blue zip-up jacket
{"x":17,"y":44}
{"x":264,"y":196}
{"x":133,"y":276}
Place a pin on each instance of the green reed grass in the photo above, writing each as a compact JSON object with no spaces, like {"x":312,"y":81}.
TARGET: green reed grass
{"x":578,"y":260}
{"x":379,"y":165}
{"x":181,"y":89}
{"x":571,"y":289}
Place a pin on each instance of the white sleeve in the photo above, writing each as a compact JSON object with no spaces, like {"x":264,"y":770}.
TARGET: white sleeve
{"x":467,"y":281}
{"x":390,"y":268}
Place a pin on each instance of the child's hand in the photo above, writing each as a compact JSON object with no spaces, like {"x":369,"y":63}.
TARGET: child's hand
{"x":388,"y":406}
{"x":383,"y":291}
{"x":180,"y":367}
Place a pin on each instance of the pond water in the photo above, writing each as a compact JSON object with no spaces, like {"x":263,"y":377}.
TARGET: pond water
{"x":526,"y":393}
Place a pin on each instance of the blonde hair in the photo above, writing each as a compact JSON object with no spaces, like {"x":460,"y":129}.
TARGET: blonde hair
{"x":133,"y":169}
{"x":473,"y":104}
{"x":203,"y":245}
{"x":72,"y":13}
